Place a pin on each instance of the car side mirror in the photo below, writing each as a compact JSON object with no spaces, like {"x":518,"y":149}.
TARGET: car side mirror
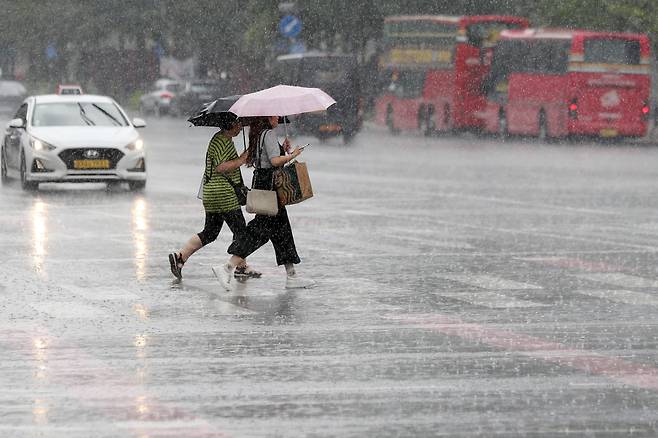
{"x":17,"y":123}
{"x":139,"y":123}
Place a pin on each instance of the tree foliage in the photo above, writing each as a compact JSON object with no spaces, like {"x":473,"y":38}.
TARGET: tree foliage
{"x":241,"y":34}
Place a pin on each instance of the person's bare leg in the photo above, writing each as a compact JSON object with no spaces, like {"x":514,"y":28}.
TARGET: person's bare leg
{"x":236,"y":261}
{"x":192,"y":246}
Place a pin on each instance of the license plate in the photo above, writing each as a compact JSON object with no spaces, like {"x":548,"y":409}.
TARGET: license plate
{"x":330,"y":128}
{"x":608,"y":133}
{"x":91,"y":164}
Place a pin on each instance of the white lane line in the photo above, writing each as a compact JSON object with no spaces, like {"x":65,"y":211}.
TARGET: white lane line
{"x":69,"y":310}
{"x":488,"y":282}
{"x":623,"y":296}
{"x":491,"y":300}
{"x":619,"y":279}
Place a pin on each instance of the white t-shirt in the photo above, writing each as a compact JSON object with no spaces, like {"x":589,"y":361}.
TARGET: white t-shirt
{"x":270,"y":149}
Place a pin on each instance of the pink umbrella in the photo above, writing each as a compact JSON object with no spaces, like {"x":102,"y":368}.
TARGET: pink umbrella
{"x":282,"y":100}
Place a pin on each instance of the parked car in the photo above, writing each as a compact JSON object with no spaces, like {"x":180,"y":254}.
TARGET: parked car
{"x":12,"y":93}
{"x":195,"y":93}
{"x":158,"y":100}
{"x":68,"y":89}
{"x":338,"y":75}
{"x":74,"y":138}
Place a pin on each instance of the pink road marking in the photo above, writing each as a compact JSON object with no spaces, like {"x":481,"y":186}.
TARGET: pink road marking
{"x":151,"y":411}
{"x":620,"y":370}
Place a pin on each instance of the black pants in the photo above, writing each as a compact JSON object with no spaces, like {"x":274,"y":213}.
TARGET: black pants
{"x":214,"y":221}
{"x":262,"y":229}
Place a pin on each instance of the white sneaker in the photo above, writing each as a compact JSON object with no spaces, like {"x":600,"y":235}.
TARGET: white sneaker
{"x":224,"y":274}
{"x":295,"y":282}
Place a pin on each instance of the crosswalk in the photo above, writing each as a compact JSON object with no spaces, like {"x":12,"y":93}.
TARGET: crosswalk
{"x":517,"y":289}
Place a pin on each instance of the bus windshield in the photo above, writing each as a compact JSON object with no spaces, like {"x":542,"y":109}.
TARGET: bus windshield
{"x":612,"y":51}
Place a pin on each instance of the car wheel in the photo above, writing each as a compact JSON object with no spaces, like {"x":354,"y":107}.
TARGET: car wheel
{"x":4,"y":176}
{"x":136,"y":186}
{"x":112,"y":185}
{"x":25,"y":184}
{"x":348,"y":136}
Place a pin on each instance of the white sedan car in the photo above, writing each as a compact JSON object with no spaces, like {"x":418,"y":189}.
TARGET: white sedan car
{"x":75,"y":138}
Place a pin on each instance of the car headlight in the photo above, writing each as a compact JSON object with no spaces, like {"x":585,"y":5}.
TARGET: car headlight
{"x":39,"y":145}
{"x":136,"y":145}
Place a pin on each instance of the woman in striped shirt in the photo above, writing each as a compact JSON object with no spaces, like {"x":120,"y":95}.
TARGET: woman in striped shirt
{"x":219,"y":199}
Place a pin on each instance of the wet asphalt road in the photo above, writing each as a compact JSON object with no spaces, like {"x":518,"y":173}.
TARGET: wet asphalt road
{"x":466,"y":287}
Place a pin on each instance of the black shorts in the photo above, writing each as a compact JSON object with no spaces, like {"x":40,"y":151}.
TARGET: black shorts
{"x":214,"y":222}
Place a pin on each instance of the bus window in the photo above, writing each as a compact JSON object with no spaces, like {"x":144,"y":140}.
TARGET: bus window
{"x":549,"y":57}
{"x":612,"y":51}
{"x":487,"y":33}
{"x":508,"y":57}
{"x":407,"y":84}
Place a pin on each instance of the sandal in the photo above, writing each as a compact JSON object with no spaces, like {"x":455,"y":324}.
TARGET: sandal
{"x":246,"y":272}
{"x":176,"y":263}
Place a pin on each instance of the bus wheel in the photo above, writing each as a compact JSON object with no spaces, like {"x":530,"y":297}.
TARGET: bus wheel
{"x":447,"y":123}
{"x":543,"y":127}
{"x":428,"y":123}
{"x":389,"y":122}
{"x":503,"y":130}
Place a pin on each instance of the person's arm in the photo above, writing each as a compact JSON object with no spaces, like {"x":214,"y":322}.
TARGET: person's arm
{"x":227,"y":166}
{"x":283,"y":159}
{"x":273,"y":153}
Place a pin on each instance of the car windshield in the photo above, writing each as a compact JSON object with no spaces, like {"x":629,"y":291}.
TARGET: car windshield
{"x":78,"y":114}
{"x":12,"y":88}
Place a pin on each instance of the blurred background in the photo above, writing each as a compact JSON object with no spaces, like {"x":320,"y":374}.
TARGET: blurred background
{"x":122,"y":47}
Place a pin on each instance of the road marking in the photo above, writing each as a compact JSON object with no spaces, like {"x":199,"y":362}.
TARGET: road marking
{"x":571,"y":263}
{"x":623,"y":296}
{"x":488,"y":282}
{"x":619,"y":279}
{"x":590,"y":362}
{"x":491,"y":300}
{"x":69,"y":310}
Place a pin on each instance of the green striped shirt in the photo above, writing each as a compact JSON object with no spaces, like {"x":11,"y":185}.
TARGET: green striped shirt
{"x":218,"y":194}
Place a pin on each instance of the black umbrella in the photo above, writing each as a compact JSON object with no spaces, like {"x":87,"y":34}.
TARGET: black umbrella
{"x":215,"y":113}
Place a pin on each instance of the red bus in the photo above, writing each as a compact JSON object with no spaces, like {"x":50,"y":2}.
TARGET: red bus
{"x":432,"y":68}
{"x":559,"y":83}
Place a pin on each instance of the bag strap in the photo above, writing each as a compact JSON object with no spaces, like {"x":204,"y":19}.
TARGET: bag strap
{"x":261,"y":140}
{"x":234,"y":185}
{"x":206,"y":179}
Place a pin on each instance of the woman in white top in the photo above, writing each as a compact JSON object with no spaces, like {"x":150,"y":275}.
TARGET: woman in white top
{"x":266,"y":154}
